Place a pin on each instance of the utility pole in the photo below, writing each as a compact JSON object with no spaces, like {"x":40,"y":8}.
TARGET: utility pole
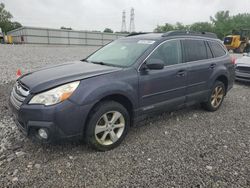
{"x":132,"y":21}
{"x":124,"y":29}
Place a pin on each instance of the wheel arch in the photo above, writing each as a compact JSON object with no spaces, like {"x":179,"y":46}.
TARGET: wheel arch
{"x":117,"y":97}
{"x":224,"y":80}
{"x":122,"y":99}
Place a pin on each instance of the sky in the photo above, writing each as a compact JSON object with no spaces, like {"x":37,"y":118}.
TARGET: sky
{"x":100,"y":14}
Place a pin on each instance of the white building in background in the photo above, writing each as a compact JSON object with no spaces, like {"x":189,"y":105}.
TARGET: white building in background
{"x":36,"y":35}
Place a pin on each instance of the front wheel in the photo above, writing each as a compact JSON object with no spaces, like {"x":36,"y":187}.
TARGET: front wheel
{"x":107,"y":126}
{"x":216,"y":97}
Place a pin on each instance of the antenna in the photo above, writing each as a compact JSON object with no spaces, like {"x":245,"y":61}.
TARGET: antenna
{"x":132,"y":21}
{"x":123,"y":21}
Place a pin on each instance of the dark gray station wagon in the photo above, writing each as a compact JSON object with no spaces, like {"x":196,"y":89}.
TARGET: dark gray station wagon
{"x":100,"y":97}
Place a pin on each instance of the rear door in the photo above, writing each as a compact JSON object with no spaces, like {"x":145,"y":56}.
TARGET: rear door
{"x":198,"y":58}
{"x":163,"y":88}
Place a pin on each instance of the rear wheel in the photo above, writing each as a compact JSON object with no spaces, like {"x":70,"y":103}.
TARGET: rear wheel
{"x":108,"y":126}
{"x":240,"y":49}
{"x":216,"y":97}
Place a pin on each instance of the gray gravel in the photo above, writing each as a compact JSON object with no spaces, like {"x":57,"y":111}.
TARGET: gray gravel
{"x":186,"y":148}
{"x":30,"y":57}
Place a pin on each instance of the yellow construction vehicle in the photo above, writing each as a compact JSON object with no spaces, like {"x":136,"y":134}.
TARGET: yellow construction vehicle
{"x":239,"y":41}
{"x":8,"y":39}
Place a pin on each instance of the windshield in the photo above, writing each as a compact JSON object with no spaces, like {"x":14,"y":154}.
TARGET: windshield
{"x":121,"y":53}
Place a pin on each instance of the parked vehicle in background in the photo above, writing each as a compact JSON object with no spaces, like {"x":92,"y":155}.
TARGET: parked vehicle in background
{"x":242,"y":68}
{"x":100,"y":97}
{"x":238,"y":41}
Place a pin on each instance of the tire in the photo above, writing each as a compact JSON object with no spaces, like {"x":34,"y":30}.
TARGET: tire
{"x":215,"y":100}
{"x":107,"y":126}
{"x":240,"y":49}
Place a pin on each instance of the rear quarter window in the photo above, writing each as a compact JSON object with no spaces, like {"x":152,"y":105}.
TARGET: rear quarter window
{"x":217,"y":49}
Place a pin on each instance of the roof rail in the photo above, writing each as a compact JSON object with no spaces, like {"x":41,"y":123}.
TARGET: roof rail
{"x":134,"y":34}
{"x":190,"y":33}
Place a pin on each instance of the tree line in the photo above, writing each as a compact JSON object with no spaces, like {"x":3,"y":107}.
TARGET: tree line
{"x":222,"y":24}
{"x":5,"y":20}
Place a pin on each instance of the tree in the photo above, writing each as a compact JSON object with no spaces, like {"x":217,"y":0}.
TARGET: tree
{"x":108,"y":30}
{"x":169,"y":27}
{"x":4,"y":14}
{"x":5,"y":20}
{"x":164,"y":28}
{"x":222,"y":23}
{"x":241,"y":21}
{"x":202,"y":27}
{"x":180,"y":26}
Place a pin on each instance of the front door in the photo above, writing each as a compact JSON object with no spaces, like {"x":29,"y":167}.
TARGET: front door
{"x":163,"y":88}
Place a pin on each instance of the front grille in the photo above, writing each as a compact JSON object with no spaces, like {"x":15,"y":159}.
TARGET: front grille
{"x":243,"y":69}
{"x":18,"y":95}
{"x":228,"y":40}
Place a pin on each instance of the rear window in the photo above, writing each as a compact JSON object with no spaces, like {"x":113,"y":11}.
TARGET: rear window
{"x":217,"y":49}
{"x":194,"y":50}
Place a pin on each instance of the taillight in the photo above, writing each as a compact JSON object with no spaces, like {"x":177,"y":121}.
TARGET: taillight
{"x":233,"y":60}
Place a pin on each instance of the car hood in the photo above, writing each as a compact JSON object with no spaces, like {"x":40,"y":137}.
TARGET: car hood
{"x":244,"y":61}
{"x":50,"y":77}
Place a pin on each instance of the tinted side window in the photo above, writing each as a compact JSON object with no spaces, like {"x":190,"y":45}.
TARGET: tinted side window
{"x":217,"y":49}
{"x":169,"y":52}
{"x":209,"y":52}
{"x":194,"y":50}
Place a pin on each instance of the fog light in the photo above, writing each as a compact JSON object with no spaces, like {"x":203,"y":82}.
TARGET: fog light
{"x":43,"y":133}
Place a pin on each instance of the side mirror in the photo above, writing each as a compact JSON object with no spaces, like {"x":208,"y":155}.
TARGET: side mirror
{"x":154,"y":64}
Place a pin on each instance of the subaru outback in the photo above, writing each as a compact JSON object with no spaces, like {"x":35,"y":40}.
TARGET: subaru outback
{"x":100,"y":97}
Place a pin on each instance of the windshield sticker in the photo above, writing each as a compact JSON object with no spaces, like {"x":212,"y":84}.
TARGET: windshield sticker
{"x":146,"y":42}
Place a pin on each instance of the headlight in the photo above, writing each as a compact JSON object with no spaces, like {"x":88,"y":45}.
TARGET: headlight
{"x":55,"y":95}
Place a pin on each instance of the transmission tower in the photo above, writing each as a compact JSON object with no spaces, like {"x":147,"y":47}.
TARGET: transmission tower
{"x":123,"y":22}
{"x":132,"y":21}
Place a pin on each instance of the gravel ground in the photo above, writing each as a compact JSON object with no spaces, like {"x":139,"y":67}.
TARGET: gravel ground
{"x":186,"y":148}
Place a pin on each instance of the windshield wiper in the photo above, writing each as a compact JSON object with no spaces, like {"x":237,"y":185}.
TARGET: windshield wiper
{"x":85,"y":60}
{"x":94,"y":62}
{"x":98,"y":62}
{"x":102,"y":63}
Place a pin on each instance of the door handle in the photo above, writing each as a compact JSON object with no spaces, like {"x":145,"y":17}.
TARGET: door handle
{"x":212,"y":66}
{"x":181,"y":73}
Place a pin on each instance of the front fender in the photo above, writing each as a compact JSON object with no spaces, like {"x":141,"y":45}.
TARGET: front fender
{"x":94,"y":89}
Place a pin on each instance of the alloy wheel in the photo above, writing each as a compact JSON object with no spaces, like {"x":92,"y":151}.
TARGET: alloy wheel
{"x":217,"y":96}
{"x":109,"y":128}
